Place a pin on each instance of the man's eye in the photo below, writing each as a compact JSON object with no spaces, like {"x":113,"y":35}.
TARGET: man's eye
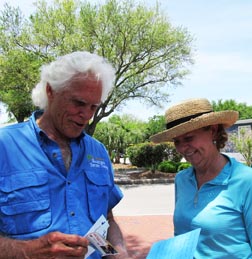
{"x":94,"y":107}
{"x":78,"y":103}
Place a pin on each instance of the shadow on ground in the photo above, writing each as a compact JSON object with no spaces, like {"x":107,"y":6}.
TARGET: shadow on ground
{"x":140,"y":232}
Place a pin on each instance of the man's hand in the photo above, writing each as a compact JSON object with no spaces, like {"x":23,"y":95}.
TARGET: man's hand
{"x":54,"y":245}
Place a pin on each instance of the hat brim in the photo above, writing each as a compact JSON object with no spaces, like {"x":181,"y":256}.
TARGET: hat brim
{"x":226,"y":118}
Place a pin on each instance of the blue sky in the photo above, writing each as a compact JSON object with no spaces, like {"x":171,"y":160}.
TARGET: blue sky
{"x":222,"y":30}
{"x":223,"y":41}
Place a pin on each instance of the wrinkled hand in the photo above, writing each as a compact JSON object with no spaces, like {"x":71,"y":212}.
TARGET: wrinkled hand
{"x":56,"y":245}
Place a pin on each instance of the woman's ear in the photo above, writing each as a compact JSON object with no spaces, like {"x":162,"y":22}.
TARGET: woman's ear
{"x":214,"y":129}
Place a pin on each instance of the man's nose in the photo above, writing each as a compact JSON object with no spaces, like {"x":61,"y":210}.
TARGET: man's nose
{"x":86,"y":112}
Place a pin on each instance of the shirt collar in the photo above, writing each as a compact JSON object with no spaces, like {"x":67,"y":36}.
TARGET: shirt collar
{"x":41,"y":135}
{"x":222,"y":178}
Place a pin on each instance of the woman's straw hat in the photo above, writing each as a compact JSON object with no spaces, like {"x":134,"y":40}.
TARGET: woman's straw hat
{"x":190,"y":115}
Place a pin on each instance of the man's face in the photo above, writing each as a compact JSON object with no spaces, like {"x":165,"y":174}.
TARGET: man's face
{"x":71,"y":108}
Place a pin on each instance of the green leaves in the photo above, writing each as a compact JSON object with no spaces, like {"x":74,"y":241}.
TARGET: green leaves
{"x":149,"y":54}
{"x":245,"y":111}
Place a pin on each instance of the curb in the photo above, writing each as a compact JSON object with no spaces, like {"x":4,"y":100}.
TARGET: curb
{"x":143,"y":181}
{"x":121,"y":177}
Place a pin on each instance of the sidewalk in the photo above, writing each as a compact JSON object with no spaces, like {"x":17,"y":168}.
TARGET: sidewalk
{"x":145,"y":216}
{"x":140,"y":232}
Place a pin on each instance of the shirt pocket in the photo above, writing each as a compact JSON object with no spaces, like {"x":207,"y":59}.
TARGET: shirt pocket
{"x":98,"y":188}
{"x":24,"y":202}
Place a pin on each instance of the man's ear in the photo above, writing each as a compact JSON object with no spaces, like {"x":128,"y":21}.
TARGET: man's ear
{"x":49,"y":91}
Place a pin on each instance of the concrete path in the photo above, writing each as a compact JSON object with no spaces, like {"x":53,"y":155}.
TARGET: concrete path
{"x":145,"y":216}
{"x":154,"y":199}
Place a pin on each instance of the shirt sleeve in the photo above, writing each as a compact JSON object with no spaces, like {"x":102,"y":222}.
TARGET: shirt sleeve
{"x":247,"y":212}
{"x":115,"y":196}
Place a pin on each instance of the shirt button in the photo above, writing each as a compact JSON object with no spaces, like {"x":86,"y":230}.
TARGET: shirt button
{"x":54,"y":155}
{"x":68,"y":182}
{"x":72,"y":213}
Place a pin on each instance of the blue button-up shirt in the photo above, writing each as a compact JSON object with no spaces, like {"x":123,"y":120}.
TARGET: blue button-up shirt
{"x":38,"y":196}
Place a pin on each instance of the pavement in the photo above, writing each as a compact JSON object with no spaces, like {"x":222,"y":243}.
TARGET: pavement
{"x":145,"y":215}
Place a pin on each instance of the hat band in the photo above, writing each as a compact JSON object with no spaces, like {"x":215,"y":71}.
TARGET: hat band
{"x":184,"y":119}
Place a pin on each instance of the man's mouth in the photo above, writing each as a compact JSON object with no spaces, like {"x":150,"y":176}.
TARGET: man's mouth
{"x":81,"y":125}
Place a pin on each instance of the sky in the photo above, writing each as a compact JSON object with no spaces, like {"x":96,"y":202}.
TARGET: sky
{"x":222,"y":32}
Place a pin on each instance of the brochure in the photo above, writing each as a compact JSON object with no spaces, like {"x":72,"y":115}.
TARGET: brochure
{"x":101,"y":244}
{"x":97,"y":237}
{"x":179,"y":247}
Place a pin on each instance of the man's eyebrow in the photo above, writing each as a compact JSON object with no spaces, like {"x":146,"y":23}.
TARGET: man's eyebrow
{"x":76,"y":99}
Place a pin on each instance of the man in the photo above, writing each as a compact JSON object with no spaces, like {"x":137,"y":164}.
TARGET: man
{"x":55,"y":180}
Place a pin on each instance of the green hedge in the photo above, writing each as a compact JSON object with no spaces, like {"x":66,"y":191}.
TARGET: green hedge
{"x":151,"y":155}
{"x":168,"y":167}
{"x":172,"y":167}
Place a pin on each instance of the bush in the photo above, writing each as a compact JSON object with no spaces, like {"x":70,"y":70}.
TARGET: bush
{"x":145,"y":154}
{"x":151,"y":155}
{"x":168,"y":167}
{"x":183,"y":165}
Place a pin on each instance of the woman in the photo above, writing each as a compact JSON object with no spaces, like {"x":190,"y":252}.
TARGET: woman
{"x":215,"y":194}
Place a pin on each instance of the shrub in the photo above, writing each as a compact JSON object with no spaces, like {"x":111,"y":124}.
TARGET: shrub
{"x":151,"y":155}
{"x":168,"y":167}
{"x":183,"y":165}
{"x":145,"y":154}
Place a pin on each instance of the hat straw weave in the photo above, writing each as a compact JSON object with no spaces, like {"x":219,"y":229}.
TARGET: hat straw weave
{"x":190,"y":115}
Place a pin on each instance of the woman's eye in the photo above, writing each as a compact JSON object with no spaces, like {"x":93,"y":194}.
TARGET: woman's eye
{"x":188,"y":139}
{"x":175,"y":142}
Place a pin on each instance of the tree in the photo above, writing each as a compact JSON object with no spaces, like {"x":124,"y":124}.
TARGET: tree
{"x":18,"y":69}
{"x":118,"y":133}
{"x":148,"y":53}
{"x":245,"y":111}
{"x":243,"y":144}
{"x":155,"y":125}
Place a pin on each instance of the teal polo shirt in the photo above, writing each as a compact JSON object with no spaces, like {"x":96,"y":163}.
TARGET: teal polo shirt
{"x":222,"y":208}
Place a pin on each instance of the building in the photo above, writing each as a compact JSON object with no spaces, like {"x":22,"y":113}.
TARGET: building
{"x":242,"y":129}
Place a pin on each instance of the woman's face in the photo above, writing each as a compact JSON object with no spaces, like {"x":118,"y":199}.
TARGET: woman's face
{"x":196,"y":146}
{"x":71,"y":108}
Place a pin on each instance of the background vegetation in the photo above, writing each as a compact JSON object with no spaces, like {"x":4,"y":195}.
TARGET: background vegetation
{"x":148,"y":52}
{"x":150,"y":56}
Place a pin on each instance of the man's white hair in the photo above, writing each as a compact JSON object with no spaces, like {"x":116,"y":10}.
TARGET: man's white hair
{"x":60,"y":72}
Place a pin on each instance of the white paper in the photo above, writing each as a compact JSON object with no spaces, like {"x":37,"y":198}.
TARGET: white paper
{"x":100,"y":227}
{"x":179,"y":247}
{"x":101,"y":244}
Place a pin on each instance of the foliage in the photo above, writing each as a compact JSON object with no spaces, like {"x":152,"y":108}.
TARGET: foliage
{"x":155,"y":125}
{"x":148,"y":53}
{"x":242,"y":140}
{"x":167,"y":167}
{"x":183,"y":165}
{"x":18,"y":69}
{"x":170,"y":152}
{"x":172,"y":167}
{"x":245,"y":111}
{"x":243,"y":144}
{"x":118,"y":133}
{"x":148,"y":154}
